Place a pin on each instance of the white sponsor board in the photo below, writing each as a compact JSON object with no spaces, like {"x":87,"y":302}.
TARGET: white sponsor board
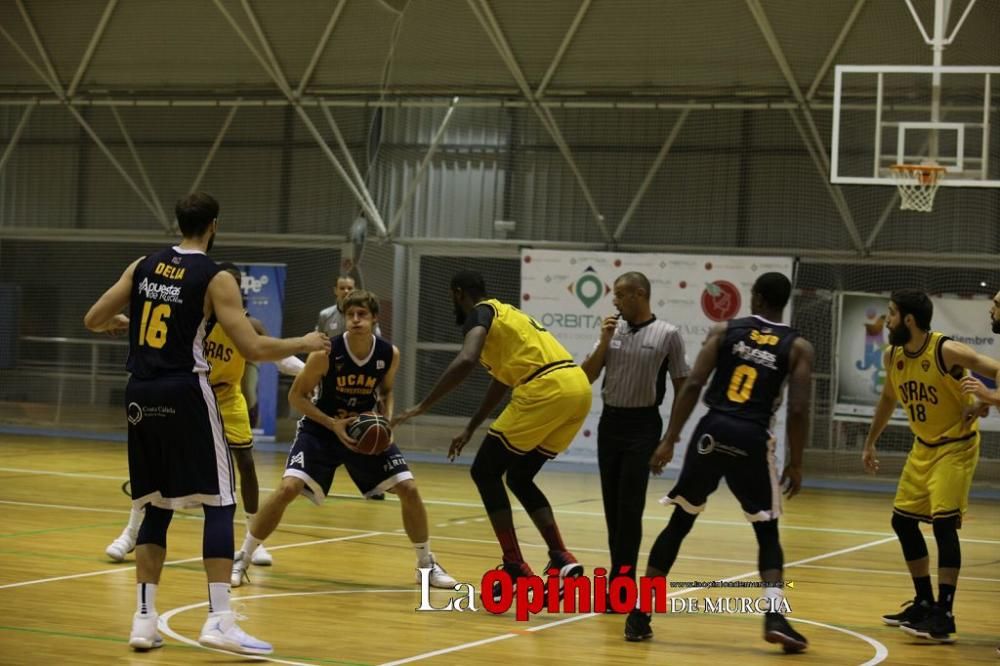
{"x":862,"y":339}
{"x":570,"y":293}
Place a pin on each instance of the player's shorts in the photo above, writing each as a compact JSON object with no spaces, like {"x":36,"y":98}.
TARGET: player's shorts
{"x":936,"y":480}
{"x":177,"y":453}
{"x":317,"y":452}
{"x":738,"y":450}
{"x":545,"y":413}
{"x":235,"y":415}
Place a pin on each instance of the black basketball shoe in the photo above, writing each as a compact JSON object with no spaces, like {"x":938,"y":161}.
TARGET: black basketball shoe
{"x":514,"y":571}
{"x":939,"y":625}
{"x":777,"y":630}
{"x":566,"y":566}
{"x":637,"y":626}
{"x":915,"y":610}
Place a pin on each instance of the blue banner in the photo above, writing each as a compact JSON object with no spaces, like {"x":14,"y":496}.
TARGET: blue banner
{"x":263,"y":288}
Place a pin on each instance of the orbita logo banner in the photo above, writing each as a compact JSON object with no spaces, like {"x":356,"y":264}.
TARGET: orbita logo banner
{"x":589,"y":288}
{"x":571,"y":292}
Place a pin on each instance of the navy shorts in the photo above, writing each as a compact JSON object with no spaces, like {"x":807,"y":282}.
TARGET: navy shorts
{"x":317,"y":452}
{"x":177,"y":451}
{"x":738,"y":450}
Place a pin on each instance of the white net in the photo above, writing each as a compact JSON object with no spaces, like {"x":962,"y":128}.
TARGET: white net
{"x":917,"y":185}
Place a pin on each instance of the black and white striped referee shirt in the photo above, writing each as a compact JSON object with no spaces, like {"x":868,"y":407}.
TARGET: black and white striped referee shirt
{"x":637,"y":361}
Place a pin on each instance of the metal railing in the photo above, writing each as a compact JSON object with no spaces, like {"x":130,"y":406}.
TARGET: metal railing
{"x":66,"y":364}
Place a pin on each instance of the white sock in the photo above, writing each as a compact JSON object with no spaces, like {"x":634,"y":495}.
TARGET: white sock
{"x":145,"y":598}
{"x":773,"y":596}
{"x":250,"y":543}
{"x":423,"y":553}
{"x":135,"y":517}
{"x":218,"y":597}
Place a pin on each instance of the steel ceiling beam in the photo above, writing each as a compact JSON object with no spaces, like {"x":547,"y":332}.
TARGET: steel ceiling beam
{"x":320,"y":47}
{"x":483,"y":13}
{"x":18,"y":131}
{"x":95,"y":39}
{"x":57,"y":88}
{"x":270,"y":65}
{"x":835,"y":48}
{"x":653,"y":169}
{"x":214,"y":149}
{"x":567,"y":39}
{"x":816,"y":147}
{"x":422,"y":169}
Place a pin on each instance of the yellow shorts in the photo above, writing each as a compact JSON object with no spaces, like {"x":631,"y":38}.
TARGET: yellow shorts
{"x":545,"y":413}
{"x":936,"y":480}
{"x":235,"y":416}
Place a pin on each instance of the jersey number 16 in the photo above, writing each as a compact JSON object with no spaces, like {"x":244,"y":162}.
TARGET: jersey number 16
{"x":153,"y":325}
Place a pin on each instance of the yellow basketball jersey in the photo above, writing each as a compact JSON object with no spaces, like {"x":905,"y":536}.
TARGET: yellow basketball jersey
{"x":933,"y":399}
{"x":518,"y":348}
{"x":226,"y":361}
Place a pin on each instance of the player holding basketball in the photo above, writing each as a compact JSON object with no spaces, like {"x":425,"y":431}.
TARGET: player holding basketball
{"x":358,"y":369}
{"x":925,"y":371}
{"x":177,"y":452}
{"x":751,"y":358}
{"x":551,"y":397}
{"x":226,"y":377}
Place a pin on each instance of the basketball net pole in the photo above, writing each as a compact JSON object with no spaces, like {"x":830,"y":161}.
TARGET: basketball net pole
{"x":942,"y":9}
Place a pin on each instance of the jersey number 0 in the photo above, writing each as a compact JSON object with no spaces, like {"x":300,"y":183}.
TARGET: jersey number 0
{"x":741,"y":383}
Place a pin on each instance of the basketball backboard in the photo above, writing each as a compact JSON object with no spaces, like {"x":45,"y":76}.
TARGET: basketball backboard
{"x":892,"y":114}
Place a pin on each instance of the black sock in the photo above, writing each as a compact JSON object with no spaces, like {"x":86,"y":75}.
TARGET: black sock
{"x":924,"y":590}
{"x":946,"y":596}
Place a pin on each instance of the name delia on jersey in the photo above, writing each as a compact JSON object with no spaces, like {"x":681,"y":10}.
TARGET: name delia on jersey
{"x":581,"y":594}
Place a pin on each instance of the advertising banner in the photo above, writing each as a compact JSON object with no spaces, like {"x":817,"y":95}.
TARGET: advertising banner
{"x":570,"y":292}
{"x":862,"y":339}
{"x":263,"y":288}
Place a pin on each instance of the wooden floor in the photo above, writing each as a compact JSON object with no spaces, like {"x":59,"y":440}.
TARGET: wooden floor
{"x":342,"y":591}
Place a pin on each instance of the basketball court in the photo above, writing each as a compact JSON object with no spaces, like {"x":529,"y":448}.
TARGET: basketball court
{"x":852,"y":146}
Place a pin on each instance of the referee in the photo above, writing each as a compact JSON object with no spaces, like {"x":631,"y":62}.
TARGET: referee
{"x":637,"y":350}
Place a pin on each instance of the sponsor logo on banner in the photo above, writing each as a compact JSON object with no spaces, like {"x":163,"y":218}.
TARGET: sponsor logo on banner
{"x":589,"y":288}
{"x":720,"y":300}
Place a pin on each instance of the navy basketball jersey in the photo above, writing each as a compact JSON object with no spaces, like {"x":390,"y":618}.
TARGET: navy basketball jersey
{"x":350,"y":386}
{"x":751,"y":370}
{"x":167,"y":323}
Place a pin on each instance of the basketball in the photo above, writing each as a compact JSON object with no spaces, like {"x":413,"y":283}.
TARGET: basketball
{"x":372,"y":433}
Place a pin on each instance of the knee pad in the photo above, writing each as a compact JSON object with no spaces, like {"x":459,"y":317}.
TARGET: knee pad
{"x":217,"y":538}
{"x":949,"y":547}
{"x":910,"y":539}
{"x":154,"y":526}
{"x":769,"y":553}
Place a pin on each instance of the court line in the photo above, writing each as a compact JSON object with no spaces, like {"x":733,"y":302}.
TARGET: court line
{"x":105,"y":572}
{"x":569,"y":512}
{"x":163,"y":624}
{"x":687,"y":590}
{"x":881,"y":651}
{"x":524,"y":544}
{"x":890,"y":573}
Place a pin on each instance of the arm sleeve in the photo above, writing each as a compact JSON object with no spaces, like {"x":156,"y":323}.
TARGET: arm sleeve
{"x":481,"y":315}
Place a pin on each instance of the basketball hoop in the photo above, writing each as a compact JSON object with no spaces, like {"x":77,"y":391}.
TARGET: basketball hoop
{"x":917,"y":183}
